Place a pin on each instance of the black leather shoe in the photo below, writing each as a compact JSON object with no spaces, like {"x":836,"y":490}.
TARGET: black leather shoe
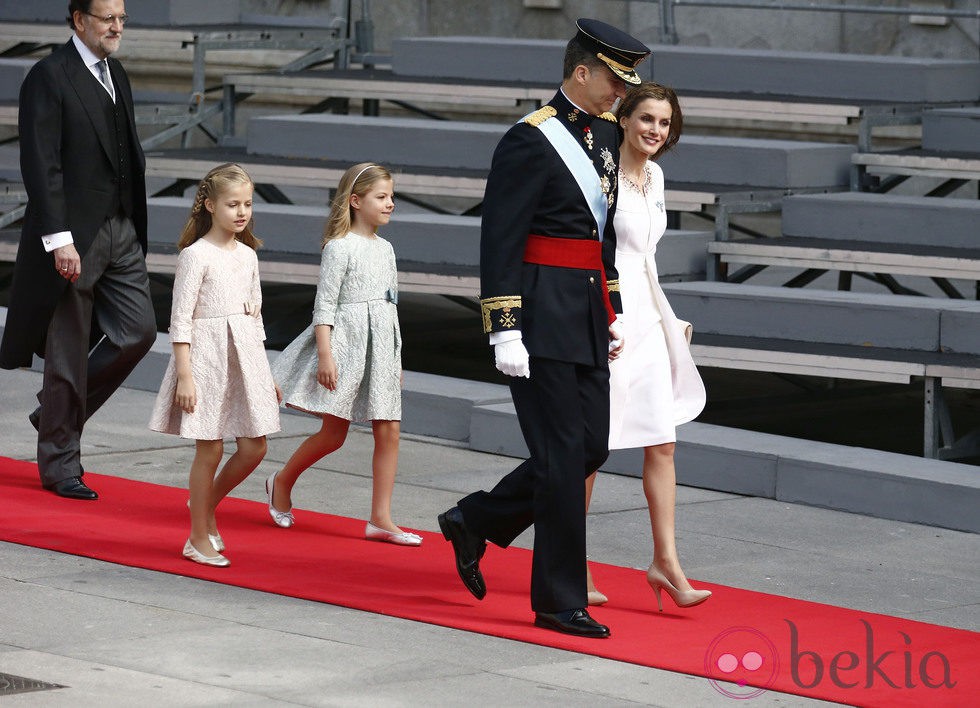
{"x":469,"y":549}
{"x":35,"y":418}
{"x":72,"y":488}
{"x":577,"y":622}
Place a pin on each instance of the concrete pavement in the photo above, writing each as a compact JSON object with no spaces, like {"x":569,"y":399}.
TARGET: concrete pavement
{"x":113,"y":635}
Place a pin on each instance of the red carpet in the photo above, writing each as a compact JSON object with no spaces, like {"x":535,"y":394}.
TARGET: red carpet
{"x":745,"y":642}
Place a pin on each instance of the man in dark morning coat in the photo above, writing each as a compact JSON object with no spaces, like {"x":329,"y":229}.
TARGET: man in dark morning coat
{"x":549,"y":296}
{"x":80,"y":295}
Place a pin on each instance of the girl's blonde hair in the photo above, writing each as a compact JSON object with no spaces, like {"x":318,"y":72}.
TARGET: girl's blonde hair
{"x":357,"y":180}
{"x":211,"y":187}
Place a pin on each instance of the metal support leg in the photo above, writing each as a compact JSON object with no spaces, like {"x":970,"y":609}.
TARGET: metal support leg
{"x":227,"y":113}
{"x":713,"y":266}
{"x":930,"y":447}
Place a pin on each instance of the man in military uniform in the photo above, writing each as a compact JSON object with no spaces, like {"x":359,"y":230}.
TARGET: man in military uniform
{"x":549,"y":303}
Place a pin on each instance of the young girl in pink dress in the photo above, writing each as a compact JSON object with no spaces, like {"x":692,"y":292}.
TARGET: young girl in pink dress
{"x":346,"y":366}
{"x":218,"y":383}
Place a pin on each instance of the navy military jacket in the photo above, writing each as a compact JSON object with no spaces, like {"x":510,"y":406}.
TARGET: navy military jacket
{"x":559,"y":311}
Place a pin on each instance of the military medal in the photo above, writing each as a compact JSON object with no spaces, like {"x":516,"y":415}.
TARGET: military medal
{"x":608,"y":164}
{"x":606,"y":184}
{"x":588,"y":138}
{"x":573,"y":115}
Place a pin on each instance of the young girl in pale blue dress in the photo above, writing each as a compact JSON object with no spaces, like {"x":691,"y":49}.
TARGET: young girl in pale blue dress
{"x":346,"y":366}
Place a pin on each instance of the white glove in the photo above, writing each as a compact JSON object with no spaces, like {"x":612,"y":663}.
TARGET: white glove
{"x":512,"y":358}
{"x":616,"y":333}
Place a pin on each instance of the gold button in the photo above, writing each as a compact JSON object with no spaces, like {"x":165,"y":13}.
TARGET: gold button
{"x":591,"y":279}
{"x":593,"y":232}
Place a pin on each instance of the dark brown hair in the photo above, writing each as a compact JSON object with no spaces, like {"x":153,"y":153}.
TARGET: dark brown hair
{"x":83,"y":6}
{"x":635,"y":95}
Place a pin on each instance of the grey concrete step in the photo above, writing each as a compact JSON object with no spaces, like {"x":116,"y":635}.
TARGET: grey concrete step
{"x":952,"y":130}
{"x":752,"y":162}
{"x":866,"y":320}
{"x":351,"y":138}
{"x":838,"y":77}
{"x":776,"y":164}
{"x":883,"y":218}
{"x":791,"y":75}
{"x":883,"y":484}
{"x":418,"y":238}
{"x":870,"y":482}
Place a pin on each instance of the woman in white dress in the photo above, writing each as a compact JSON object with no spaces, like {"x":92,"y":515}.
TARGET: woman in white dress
{"x":654,"y":385}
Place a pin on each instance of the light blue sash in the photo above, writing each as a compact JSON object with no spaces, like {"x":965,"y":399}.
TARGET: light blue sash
{"x":581,"y":168}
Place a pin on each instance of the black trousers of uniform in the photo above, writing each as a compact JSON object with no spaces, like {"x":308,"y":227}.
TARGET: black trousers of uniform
{"x":563,"y":410}
{"x":113,"y":290}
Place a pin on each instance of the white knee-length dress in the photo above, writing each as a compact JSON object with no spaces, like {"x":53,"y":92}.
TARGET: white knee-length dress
{"x":236,"y":396}
{"x":654,"y":385}
{"x":356,"y":295}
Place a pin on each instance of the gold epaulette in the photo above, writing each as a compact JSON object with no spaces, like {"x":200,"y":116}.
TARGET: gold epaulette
{"x":540,"y":115}
{"x":612,"y":286}
{"x":608,"y":116}
{"x":508,"y":318}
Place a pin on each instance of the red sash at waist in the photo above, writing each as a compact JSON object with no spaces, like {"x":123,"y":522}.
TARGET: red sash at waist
{"x":563,"y":252}
{"x":584,"y":254}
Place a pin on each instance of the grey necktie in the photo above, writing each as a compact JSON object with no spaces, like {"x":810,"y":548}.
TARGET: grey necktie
{"x":103,"y":68}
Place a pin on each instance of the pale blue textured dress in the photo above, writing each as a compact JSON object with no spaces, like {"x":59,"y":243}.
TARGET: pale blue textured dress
{"x":356,"y":294}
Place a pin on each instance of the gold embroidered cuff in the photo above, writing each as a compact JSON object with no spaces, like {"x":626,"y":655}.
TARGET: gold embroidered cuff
{"x":509,"y":315}
{"x":612,"y":286}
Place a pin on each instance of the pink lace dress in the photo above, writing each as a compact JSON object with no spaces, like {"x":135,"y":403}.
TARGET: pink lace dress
{"x":236,"y":396}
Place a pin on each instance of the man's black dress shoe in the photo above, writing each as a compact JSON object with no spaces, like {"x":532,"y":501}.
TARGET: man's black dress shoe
{"x":577,"y":622}
{"x":72,"y":488}
{"x":469,"y":549}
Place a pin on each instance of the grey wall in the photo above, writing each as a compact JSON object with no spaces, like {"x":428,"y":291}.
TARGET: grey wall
{"x":706,"y":27}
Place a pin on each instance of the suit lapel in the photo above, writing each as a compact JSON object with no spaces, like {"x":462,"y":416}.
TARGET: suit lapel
{"x":86,"y":87}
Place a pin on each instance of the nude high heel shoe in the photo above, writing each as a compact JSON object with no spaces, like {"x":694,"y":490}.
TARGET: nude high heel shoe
{"x":682,"y":598}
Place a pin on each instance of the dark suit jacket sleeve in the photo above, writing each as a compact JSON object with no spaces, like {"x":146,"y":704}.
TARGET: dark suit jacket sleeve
{"x":39,"y":124}
{"x":609,"y":259}
{"x":517,"y":179}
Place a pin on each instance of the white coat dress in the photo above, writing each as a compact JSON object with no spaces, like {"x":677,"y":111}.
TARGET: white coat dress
{"x":654,"y":384}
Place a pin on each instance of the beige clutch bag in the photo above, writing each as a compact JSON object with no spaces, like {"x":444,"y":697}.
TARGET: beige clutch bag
{"x":688,"y":330}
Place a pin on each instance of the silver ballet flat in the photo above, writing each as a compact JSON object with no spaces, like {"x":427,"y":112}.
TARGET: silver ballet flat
{"x":283,"y":519}
{"x":217,"y":542}
{"x":404,"y":538}
{"x":192,"y":554}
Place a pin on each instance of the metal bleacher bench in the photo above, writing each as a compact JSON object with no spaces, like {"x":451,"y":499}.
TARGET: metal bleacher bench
{"x":845,"y":335}
{"x":171,"y":33}
{"x":859,"y":232}
{"x":436,"y":253}
{"x":950,"y":151}
{"x":452,"y":158}
{"x":755,"y":85}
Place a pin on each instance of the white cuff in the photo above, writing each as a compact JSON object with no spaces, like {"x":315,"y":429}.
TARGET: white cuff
{"x":501,"y":337}
{"x":53,"y":241}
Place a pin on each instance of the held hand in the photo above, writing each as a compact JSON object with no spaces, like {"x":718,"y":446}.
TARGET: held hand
{"x":186,"y":396}
{"x":67,"y":262}
{"x":278,"y":393}
{"x":326,"y":373}
{"x":512,"y":358}
{"x":616,"y":340}
{"x":253,"y":309}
